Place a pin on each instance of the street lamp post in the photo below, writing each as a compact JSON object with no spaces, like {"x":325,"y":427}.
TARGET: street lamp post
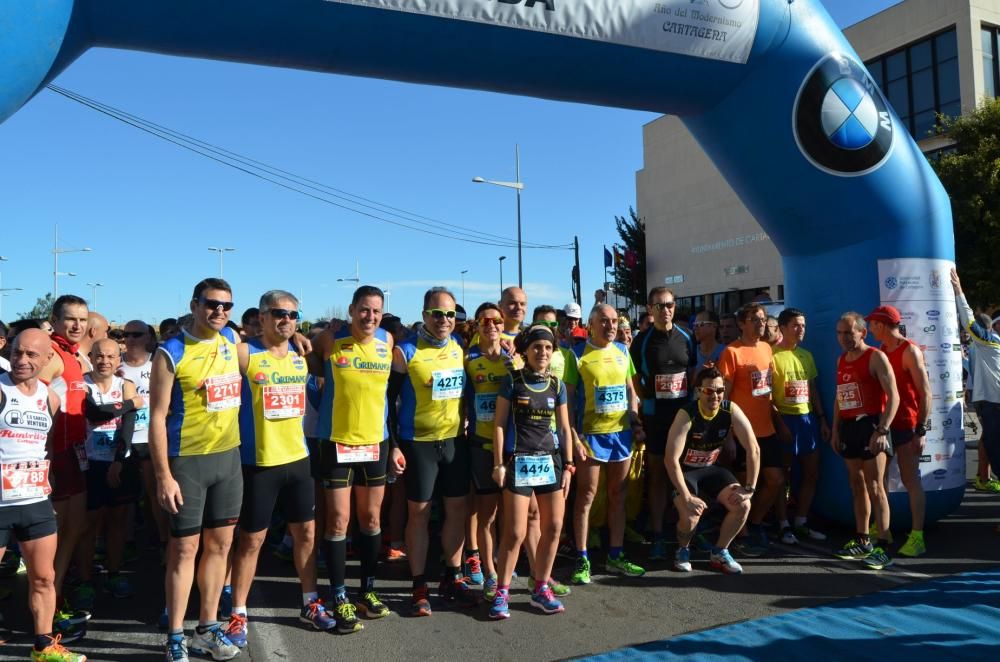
{"x":501,"y":259}
{"x":357,"y":275}
{"x":56,"y":252}
{"x":221,"y":252}
{"x":518,"y":186}
{"x":465,"y":271}
{"x":93,"y":287}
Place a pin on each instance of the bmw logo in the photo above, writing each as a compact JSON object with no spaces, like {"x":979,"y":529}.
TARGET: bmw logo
{"x":890,"y":283}
{"x":842,"y":123}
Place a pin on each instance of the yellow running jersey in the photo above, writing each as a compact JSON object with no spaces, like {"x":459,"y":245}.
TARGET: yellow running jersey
{"x":602,"y":393}
{"x":274,"y":403}
{"x":431,"y":399}
{"x":485,"y":376}
{"x":354,"y":406}
{"x":205,"y":399}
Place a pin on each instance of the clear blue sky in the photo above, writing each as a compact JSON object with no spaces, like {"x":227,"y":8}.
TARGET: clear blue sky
{"x":149,"y":210}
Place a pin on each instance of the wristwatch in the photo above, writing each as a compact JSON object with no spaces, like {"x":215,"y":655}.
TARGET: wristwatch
{"x":749,"y":488}
{"x":882,"y":431}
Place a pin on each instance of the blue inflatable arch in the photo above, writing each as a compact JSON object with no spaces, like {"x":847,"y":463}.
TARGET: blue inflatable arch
{"x":771,"y":90}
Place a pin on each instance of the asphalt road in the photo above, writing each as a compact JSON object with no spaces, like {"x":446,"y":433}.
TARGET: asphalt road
{"x":608,"y":614}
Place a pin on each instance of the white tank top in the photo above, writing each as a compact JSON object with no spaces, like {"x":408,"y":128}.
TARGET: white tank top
{"x":100,"y":442}
{"x":24,"y":427}
{"x":139,"y":375}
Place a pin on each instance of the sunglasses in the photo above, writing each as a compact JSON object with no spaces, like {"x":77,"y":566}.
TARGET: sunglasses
{"x":717,"y":391}
{"x":439,"y":314}
{"x":213,"y":304}
{"x":487,"y":321}
{"x":281,"y":313}
{"x":551,"y":324}
{"x":133,"y":334}
{"x":669,"y":305}
{"x":699,"y":325}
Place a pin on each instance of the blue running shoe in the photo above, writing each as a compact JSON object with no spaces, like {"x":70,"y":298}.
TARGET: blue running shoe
{"x":723,"y":560}
{"x":682,"y":560}
{"x":315,"y":614}
{"x":226,"y":603}
{"x":474,"y":570}
{"x":499,"y":609}
{"x":545,"y":600}
{"x":177,"y":650}
{"x":237,"y":629}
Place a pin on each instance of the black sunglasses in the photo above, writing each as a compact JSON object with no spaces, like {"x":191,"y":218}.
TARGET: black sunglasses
{"x":281,"y":313}
{"x":213,"y":304}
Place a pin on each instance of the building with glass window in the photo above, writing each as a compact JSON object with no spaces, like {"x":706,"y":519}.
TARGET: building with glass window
{"x":928,"y":56}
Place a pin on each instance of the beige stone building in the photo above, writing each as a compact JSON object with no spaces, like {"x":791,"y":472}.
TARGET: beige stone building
{"x":928,"y":56}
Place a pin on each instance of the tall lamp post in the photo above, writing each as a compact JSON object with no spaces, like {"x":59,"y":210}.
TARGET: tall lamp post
{"x":501,"y":259}
{"x":221,"y":252}
{"x":357,"y":275}
{"x":518,"y":186}
{"x":56,"y":252}
{"x":465,"y":271}
{"x":93,"y":299}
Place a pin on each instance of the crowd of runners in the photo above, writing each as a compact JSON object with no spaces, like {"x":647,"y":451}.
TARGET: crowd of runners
{"x":522,"y":431}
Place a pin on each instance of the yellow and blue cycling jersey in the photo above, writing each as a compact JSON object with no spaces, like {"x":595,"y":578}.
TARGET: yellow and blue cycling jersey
{"x":602,"y":393}
{"x":354,"y":406}
{"x":431,"y":397}
{"x":274,"y":403}
{"x":485,"y":376}
{"x":205,"y":398}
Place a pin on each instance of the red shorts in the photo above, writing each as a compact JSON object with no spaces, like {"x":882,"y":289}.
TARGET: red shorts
{"x":65,"y":475}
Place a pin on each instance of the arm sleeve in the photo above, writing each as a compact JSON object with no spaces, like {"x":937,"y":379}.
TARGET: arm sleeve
{"x":395,"y":388}
{"x":96,"y":413}
{"x":124,"y":437}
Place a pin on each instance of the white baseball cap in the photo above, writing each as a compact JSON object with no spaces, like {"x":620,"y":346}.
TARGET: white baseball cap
{"x":573,"y":310}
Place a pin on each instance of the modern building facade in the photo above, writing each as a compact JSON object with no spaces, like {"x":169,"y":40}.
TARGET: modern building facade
{"x":928,"y":56}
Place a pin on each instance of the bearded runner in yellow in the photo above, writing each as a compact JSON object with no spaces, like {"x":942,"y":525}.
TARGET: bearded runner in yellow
{"x":355,"y":363}
{"x":275,"y":460}
{"x":608,"y":417}
{"x":429,"y":377}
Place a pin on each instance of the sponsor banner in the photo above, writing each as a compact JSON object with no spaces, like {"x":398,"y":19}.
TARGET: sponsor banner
{"x":712,"y":29}
{"x":921,"y":290}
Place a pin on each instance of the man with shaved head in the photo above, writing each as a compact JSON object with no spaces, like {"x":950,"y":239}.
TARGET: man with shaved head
{"x":64,"y":373}
{"x":607,"y":420}
{"x":514,"y":306}
{"x":97,"y":329}
{"x":26,"y":408}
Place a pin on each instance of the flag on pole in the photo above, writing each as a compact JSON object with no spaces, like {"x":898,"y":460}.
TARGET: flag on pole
{"x":619,"y":258}
{"x":607,"y":258}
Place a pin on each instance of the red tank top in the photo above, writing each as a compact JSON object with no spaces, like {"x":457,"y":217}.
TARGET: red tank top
{"x":858,"y":392}
{"x":70,"y":424}
{"x":908,"y":412}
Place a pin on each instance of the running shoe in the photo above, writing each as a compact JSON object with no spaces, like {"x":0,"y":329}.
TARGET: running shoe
{"x":474,"y":570}
{"x":347,"y":618}
{"x":419,"y":604}
{"x":986,"y":485}
{"x":854,"y":550}
{"x":658,"y":552}
{"x":22,"y":568}
{"x":316,"y":615}
{"x":490,"y":588}
{"x":545,"y":600}
{"x":67,"y":631}
{"x":622,"y":566}
{"x":788,"y":536}
{"x":237,"y":629}
{"x":724,"y":561}
{"x":370,"y":606}
{"x":803,"y":532}
{"x":458,"y":591}
{"x":393,"y":554}
{"x":877,"y":560}
{"x":226,"y":603}
{"x":56,"y":652}
{"x":66,"y":612}
{"x":119,"y":587}
{"x":682,"y":559}
{"x":213,"y":642}
{"x":581,"y":575}
{"x":873,"y":533}
{"x":177,"y":649}
{"x":914,"y":545}
{"x":283,"y":552}
{"x":83,"y":596}
{"x":558,"y":588}
{"x":500,"y":610}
